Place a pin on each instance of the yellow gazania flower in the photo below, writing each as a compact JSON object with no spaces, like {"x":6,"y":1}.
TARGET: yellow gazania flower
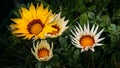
{"x":59,"y":24}
{"x":42,"y":51}
{"x":33,"y":22}
{"x":86,"y":38}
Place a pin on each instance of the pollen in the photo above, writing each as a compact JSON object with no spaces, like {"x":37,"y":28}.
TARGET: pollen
{"x":35,"y":27}
{"x":86,"y":41}
{"x":43,"y":53}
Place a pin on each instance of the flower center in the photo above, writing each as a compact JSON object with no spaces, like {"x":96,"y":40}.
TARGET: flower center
{"x":35,"y":27}
{"x":86,"y":41}
{"x":43,"y":53}
{"x":57,"y":30}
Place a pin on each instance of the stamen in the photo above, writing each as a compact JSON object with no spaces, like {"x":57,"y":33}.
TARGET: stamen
{"x":35,"y":27}
{"x":43,"y":53}
{"x":87,"y":41}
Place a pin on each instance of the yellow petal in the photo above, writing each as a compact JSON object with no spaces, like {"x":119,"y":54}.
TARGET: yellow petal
{"x":19,"y":21}
{"x":13,"y":27}
{"x":20,"y":35}
{"x":44,"y":18}
{"x":26,"y":14}
{"x":48,"y":29}
{"x":46,"y":9}
{"x":29,"y":36}
{"x":39,"y":11}
{"x":50,"y":17}
{"x":25,"y":37}
{"x":33,"y":11}
{"x":20,"y":31}
{"x":41,"y":36}
{"x":52,"y":23}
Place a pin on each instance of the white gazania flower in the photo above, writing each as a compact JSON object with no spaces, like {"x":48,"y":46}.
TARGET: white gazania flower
{"x":42,"y":51}
{"x":86,"y":38}
{"x":59,"y":24}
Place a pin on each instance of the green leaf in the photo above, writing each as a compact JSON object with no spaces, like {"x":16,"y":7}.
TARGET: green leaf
{"x":81,"y":6}
{"x":76,"y":55}
{"x":116,"y":14}
{"x":38,"y":65}
{"x":56,"y":58}
{"x":92,"y":8}
{"x":48,"y":66}
{"x":91,"y":15}
{"x":63,"y":42}
{"x":105,"y":19}
{"x":83,"y":18}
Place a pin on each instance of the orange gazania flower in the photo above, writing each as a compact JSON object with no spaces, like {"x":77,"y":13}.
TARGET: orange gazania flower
{"x":33,"y":22}
{"x":86,"y":38}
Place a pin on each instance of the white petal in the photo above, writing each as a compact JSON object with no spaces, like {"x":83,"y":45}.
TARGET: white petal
{"x":100,"y":39}
{"x":66,"y":27}
{"x":96,"y":30}
{"x":88,"y":28}
{"x":98,"y":35}
{"x":52,"y":46}
{"x":37,"y":43}
{"x":77,"y":29}
{"x":34,"y":39}
{"x":87,"y":48}
{"x":82,"y":50}
{"x":32,"y":52}
{"x":75,"y":40}
{"x":80,"y":27}
{"x":92,"y":49}
{"x":85,"y":29}
{"x":74,"y":43}
{"x":34,"y":47}
{"x":78,"y":46}
{"x":98,"y":44}
{"x":66,"y":22}
{"x":63,"y":19}
{"x":92,"y":30}
{"x":72,"y":38}
{"x":34,"y":44}
{"x":75,"y":33}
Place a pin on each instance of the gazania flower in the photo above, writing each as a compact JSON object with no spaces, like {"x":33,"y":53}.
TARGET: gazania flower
{"x":42,"y":51}
{"x":33,"y":22}
{"x":59,"y":24}
{"x":86,"y":38}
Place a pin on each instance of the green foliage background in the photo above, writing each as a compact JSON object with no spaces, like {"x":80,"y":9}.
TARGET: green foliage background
{"x":15,"y":52}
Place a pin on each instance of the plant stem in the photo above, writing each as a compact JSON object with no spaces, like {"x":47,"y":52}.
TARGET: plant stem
{"x":93,"y":64}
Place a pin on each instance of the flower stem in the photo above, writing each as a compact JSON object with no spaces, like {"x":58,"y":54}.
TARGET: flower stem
{"x":93,"y":64}
{"x":89,"y":59}
{"x":40,"y":64}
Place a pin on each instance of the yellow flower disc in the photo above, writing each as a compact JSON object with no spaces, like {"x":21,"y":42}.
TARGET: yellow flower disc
{"x":36,"y":28}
